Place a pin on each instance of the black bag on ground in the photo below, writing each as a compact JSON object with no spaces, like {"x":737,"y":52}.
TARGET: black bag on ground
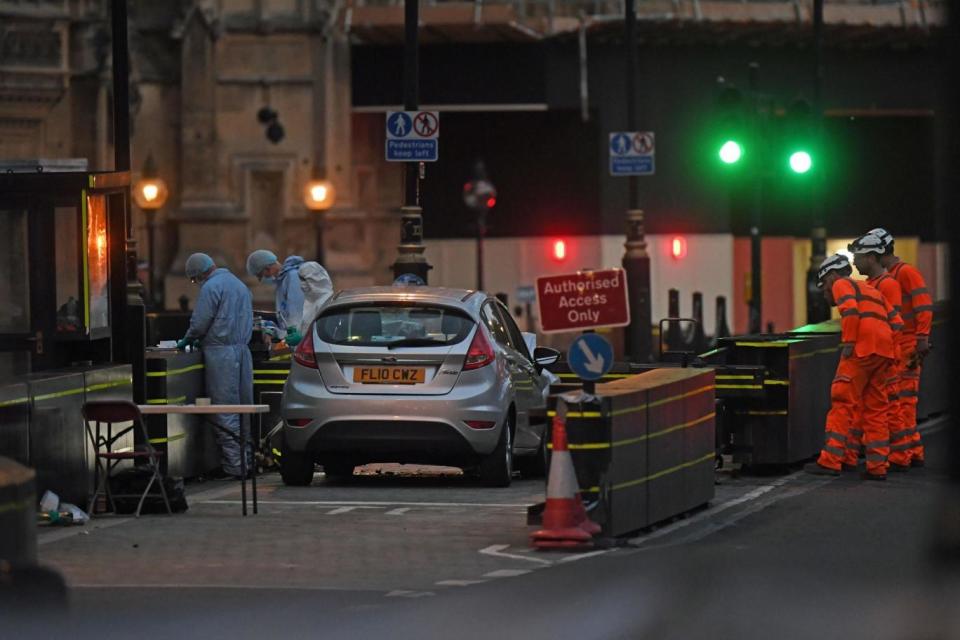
{"x":130,"y":483}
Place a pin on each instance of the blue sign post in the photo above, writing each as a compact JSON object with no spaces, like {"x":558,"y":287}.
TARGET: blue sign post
{"x":413,"y":136}
{"x":590,"y":357}
{"x":632,"y":153}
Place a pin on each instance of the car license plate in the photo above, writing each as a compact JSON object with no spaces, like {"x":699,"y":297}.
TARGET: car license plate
{"x":389,"y":375}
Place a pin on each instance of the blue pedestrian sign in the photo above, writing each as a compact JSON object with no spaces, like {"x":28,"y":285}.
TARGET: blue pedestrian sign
{"x":632,"y":153}
{"x":413,"y":136}
{"x":590,"y":356}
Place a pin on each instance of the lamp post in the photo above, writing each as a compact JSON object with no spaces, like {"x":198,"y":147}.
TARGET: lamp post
{"x":319,"y":195}
{"x":480,"y":196}
{"x":150,"y":193}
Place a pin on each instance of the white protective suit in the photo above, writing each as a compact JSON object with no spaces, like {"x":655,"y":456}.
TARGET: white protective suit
{"x":317,"y":288}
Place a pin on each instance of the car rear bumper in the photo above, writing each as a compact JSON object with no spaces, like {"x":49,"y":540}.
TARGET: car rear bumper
{"x":391,"y":428}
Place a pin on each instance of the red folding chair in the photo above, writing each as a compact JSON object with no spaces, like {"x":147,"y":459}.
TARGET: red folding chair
{"x":110,"y":412}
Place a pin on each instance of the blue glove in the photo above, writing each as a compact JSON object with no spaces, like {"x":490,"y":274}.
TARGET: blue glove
{"x":182,"y":344}
{"x":293,"y":337}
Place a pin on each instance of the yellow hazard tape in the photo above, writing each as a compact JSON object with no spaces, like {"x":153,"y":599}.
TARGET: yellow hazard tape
{"x":16,"y":505}
{"x":654,"y":476}
{"x":726,"y":377}
{"x":174,"y":372}
{"x":281,"y":358}
{"x":14,"y":402}
{"x":177,"y":400}
{"x":640,"y":407}
{"x":173,"y":438}
{"x":739,"y":386}
{"x":815,"y":353}
{"x":763,"y":345}
{"x":271,"y":372}
{"x":278,"y":382}
{"x":777,"y":383}
{"x":593,"y":446}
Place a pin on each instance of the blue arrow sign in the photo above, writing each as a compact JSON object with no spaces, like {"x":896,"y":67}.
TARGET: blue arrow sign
{"x":590,"y":356}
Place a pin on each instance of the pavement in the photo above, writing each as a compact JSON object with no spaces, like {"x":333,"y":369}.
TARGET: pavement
{"x":406,"y":552}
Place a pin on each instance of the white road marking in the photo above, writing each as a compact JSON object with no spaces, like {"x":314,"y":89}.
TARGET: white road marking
{"x":402,"y":593}
{"x":496,"y":550}
{"x":398,"y":512}
{"x":710,"y":512}
{"x":376,"y":503}
{"x":507,"y":573}
{"x":583,"y":556}
{"x":458,"y":583}
{"x":339,"y":510}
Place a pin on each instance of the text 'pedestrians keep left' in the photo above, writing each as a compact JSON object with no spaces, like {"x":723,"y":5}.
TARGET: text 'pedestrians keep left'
{"x":413,"y":136}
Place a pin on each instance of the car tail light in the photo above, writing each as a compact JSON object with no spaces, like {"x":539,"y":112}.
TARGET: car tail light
{"x":299,"y":422}
{"x":480,"y":424}
{"x":304,"y":354}
{"x":480,"y":353}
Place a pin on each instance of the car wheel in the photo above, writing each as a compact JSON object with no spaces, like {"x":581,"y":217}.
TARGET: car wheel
{"x":338,"y":471}
{"x":534,"y":466}
{"x":496,"y":470}
{"x":296,"y":467}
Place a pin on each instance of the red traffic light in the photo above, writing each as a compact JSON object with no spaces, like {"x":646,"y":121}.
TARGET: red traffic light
{"x":678,"y":247}
{"x":559,"y":250}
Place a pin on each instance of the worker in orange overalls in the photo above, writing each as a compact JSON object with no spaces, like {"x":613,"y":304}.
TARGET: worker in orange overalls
{"x":917,"y":313}
{"x":867,"y":354}
{"x":867,"y":251}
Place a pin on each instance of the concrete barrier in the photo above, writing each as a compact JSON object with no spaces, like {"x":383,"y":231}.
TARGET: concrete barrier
{"x":643,"y":446}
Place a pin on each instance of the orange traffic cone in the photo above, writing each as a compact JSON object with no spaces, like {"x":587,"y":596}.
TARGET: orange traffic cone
{"x":564,"y":516}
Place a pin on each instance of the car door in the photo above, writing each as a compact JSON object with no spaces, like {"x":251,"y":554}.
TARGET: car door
{"x":528,"y":386}
{"x":494,"y":321}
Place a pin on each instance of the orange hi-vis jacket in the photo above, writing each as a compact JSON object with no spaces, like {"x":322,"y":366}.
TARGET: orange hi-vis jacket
{"x":917,"y":309}
{"x":865,"y":319}
{"x":889,"y":288}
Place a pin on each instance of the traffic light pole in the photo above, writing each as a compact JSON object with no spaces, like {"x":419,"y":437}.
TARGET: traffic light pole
{"x":817,"y":308}
{"x":410,"y":258}
{"x":756,"y":206}
{"x":636,"y":260}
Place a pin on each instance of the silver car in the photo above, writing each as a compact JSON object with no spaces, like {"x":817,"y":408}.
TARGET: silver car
{"x":414,"y":375}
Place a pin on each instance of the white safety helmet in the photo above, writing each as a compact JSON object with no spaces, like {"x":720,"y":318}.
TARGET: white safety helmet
{"x":867,"y":243}
{"x":885,"y":236}
{"x":836,"y":262}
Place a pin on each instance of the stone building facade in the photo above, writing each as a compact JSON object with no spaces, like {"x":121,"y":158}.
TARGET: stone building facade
{"x":201,"y":71}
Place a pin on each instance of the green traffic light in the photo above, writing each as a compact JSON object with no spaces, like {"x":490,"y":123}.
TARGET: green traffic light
{"x":800,"y":162}
{"x":730,"y":152}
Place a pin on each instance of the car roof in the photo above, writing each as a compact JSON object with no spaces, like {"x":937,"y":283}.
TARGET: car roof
{"x":466,"y":299}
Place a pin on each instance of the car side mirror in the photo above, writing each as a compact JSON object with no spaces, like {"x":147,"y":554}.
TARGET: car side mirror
{"x":545,"y":356}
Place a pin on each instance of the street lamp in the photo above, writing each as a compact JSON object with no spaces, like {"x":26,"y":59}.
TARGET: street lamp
{"x":150,"y":193}
{"x":319,"y":195}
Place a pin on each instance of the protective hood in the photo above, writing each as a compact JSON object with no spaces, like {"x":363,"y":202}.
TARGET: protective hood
{"x":290,"y":264}
{"x":317,"y":288}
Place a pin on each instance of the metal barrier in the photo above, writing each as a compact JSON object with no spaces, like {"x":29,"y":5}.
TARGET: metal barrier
{"x":643,"y":446}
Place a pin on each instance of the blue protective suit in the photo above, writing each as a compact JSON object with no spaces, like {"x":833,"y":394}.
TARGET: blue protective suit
{"x":289,"y":295}
{"x":223,"y":322}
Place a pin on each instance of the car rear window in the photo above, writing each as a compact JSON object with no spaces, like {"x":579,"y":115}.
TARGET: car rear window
{"x":398,"y":324}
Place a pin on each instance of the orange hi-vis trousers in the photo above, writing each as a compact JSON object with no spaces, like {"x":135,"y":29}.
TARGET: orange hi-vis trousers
{"x":897,"y":435}
{"x":909,"y":397}
{"x":860,"y":383}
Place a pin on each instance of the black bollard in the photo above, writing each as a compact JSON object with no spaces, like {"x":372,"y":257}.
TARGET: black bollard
{"x":674,"y":335}
{"x":722,"y":329}
{"x":699,"y":340}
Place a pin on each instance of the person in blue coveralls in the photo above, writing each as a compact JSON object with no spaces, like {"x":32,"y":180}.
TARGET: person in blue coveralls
{"x":223,"y":322}
{"x":265,"y":267}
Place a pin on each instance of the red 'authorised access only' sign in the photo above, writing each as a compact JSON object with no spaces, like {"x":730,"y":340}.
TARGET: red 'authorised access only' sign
{"x":583,"y":300}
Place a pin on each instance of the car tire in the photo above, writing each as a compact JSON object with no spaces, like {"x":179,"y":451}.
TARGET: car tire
{"x":496,"y":470}
{"x":296,"y":467}
{"x":534,"y":466}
